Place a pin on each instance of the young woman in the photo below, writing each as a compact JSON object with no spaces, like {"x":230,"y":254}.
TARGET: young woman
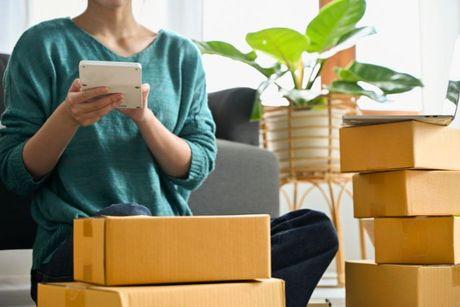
{"x":79,"y":154}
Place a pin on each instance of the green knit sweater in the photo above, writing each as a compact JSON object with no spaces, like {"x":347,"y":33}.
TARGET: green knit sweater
{"x":108,"y":162}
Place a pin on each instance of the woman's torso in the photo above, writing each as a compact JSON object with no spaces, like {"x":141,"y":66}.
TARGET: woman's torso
{"x":108,"y":162}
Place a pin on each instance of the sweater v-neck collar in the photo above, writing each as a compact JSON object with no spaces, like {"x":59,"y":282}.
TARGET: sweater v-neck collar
{"x":112,"y":52}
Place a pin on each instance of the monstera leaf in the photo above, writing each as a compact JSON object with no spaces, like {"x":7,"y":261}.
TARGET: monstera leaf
{"x":229,"y":51}
{"x":303,"y":55}
{"x":333,"y":21}
{"x":285,"y":45}
{"x":389,"y":81}
{"x":353,"y":89}
{"x":453,"y":91}
{"x":256,"y":113}
{"x":348,"y":40}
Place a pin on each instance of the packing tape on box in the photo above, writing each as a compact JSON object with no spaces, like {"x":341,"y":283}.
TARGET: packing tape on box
{"x":87,"y":228}
{"x":75,"y":297}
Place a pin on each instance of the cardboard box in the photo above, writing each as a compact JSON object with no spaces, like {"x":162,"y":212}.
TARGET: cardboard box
{"x":403,"y":145}
{"x":417,"y":240}
{"x":385,"y":285}
{"x":406,"y":193}
{"x":152,"y":250}
{"x":263,"y":293}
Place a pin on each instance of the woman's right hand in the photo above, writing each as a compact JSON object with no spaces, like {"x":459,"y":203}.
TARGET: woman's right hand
{"x":85,"y":108}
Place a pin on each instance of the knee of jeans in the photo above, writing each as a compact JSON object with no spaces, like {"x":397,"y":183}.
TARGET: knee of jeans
{"x":329,"y":236}
{"x":125,"y":210}
{"x":328,"y":233}
{"x":325,"y":229}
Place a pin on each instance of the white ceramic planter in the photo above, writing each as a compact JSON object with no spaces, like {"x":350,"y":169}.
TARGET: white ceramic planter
{"x":310,"y":146}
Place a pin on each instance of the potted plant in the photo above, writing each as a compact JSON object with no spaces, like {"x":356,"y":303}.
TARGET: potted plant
{"x":304,"y":135}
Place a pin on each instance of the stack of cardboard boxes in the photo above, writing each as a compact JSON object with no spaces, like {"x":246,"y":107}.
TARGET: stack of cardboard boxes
{"x":169,"y":262}
{"x":409,"y":182}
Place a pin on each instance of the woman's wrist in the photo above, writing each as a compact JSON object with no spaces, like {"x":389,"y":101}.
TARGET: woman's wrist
{"x":147,"y":118}
{"x":63,"y":112}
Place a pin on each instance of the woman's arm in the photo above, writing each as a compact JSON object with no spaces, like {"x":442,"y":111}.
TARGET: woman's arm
{"x":189,"y":157}
{"x":42,"y":151}
{"x":171,"y":152}
{"x":186,"y":155}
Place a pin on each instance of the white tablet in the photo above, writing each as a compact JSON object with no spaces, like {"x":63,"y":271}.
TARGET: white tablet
{"x":120,"y":77}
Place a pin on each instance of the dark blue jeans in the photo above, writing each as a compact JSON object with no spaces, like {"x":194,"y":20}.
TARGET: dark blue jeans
{"x":304,"y":242}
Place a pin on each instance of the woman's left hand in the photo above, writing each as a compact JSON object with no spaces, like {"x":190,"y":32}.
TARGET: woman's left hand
{"x":140,"y":115}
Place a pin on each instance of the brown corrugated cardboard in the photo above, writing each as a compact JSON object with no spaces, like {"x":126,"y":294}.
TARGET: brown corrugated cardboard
{"x":151,"y":250}
{"x":385,"y":285}
{"x":417,"y":240}
{"x":404,"y":145}
{"x":406,"y":193}
{"x":261,"y":293}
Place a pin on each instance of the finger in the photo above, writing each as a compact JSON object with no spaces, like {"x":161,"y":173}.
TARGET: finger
{"x":96,"y":115}
{"x":83,"y":96}
{"x":75,"y":86}
{"x":93,"y":117}
{"x":113,"y":99}
{"x":145,"y":89}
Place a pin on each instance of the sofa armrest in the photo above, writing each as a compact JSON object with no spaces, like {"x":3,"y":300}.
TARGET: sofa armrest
{"x":245,"y":181}
{"x":231,"y":110}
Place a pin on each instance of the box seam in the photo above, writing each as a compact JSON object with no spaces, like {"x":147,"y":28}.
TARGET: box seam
{"x":104,"y":251}
{"x":407,"y":197}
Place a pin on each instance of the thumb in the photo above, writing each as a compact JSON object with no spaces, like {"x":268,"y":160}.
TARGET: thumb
{"x":76,"y":86}
{"x":145,"y":91}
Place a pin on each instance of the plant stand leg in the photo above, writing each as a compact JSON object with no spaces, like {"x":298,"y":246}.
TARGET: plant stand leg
{"x":339,"y":258}
{"x":362,"y":240}
{"x":294,"y":196}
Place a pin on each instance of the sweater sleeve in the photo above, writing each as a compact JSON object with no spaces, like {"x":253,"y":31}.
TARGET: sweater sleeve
{"x":198,"y":129}
{"x":27,"y":101}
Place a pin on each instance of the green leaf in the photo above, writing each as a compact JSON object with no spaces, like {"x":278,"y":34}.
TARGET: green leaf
{"x":256,"y":113}
{"x":453,"y":91}
{"x":333,"y":21}
{"x":348,"y":40}
{"x":285,"y":45}
{"x":352,"y":88}
{"x":389,"y":81}
{"x":305,"y":97}
{"x":229,"y":51}
{"x":257,"y":110}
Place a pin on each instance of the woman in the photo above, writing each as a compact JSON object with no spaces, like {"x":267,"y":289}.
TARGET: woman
{"x":79,"y":154}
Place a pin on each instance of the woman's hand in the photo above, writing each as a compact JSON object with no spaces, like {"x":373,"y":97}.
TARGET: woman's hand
{"x":85,"y":108}
{"x":140,"y":115}
{"x":42,"y":151}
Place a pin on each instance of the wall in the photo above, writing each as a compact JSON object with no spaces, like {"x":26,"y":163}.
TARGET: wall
{"x":12,"y":23}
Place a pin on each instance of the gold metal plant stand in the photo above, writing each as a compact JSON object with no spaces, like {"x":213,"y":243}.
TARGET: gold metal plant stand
{"x":307,"y":146}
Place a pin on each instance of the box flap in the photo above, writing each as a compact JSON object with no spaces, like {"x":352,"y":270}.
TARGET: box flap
{"x":418,"y":240}
{"x":76,"y":295}
{"x":383,"y":285}
{"x":239,"y":244}
{"x":376,"y":147}
{"x":257,"y":293}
